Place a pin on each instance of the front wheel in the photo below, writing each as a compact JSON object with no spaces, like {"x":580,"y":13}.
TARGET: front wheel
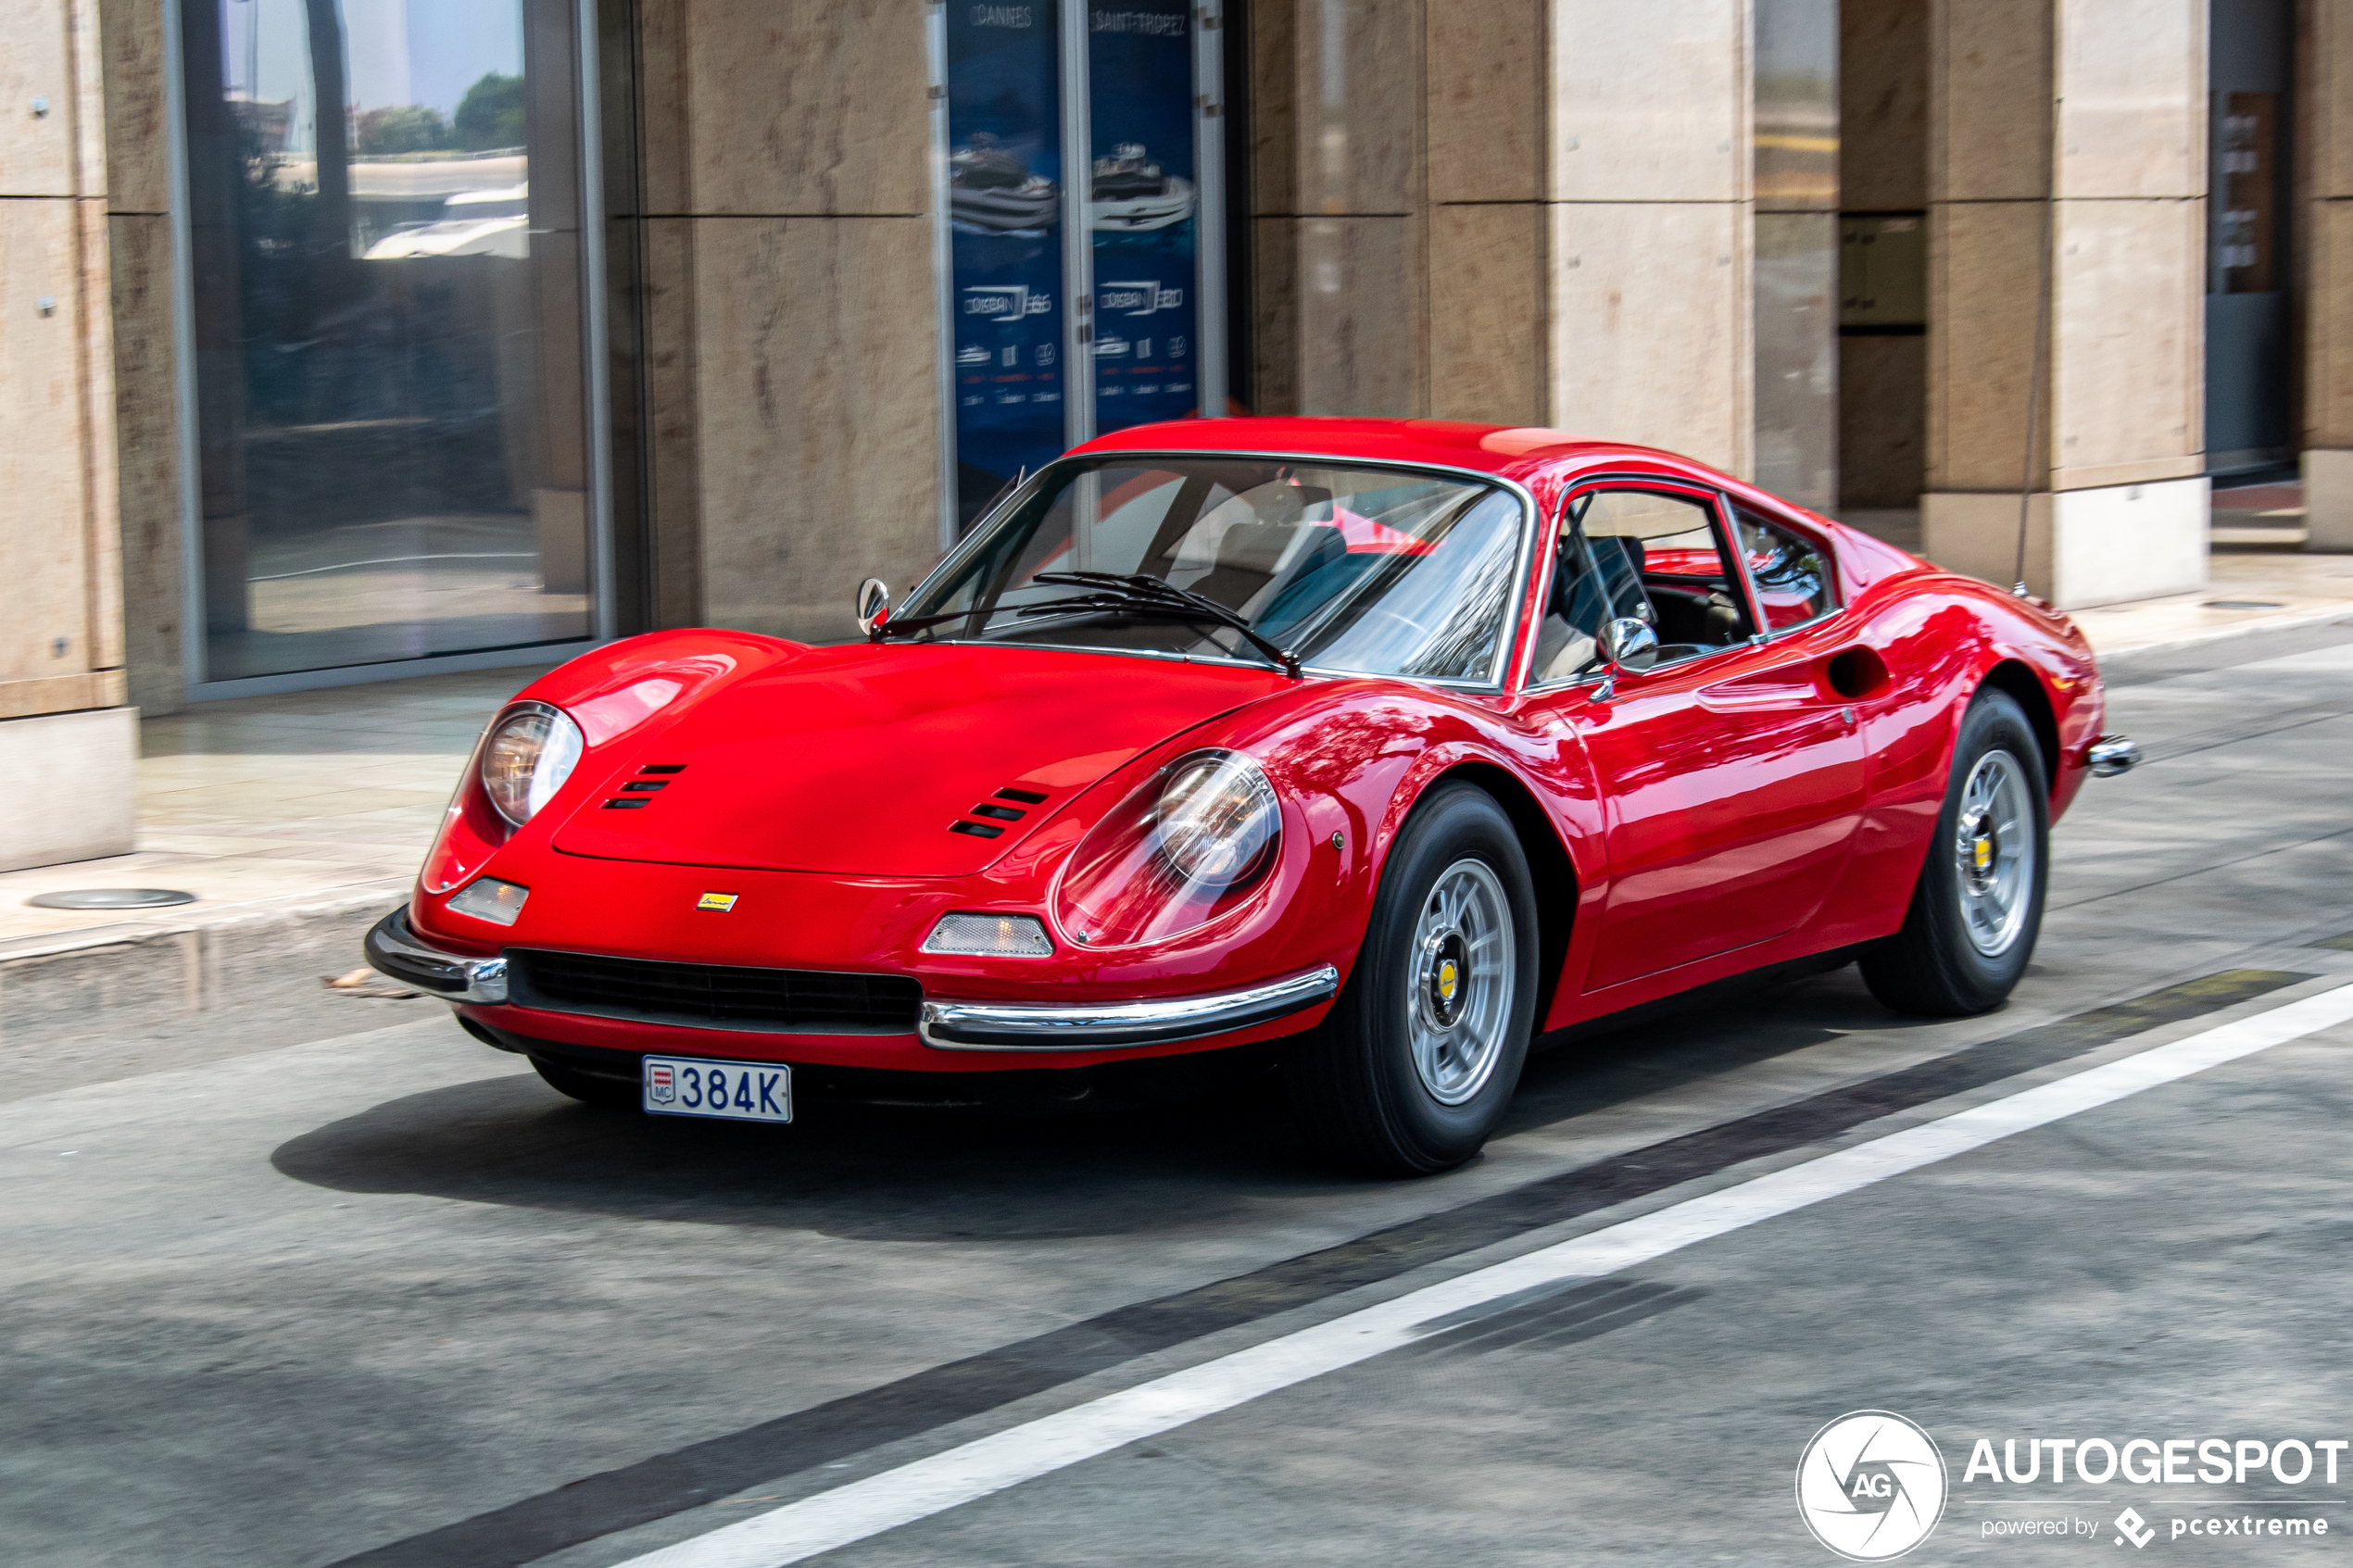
{"x":1979,"y":906}
{"x":1416,"y":1062}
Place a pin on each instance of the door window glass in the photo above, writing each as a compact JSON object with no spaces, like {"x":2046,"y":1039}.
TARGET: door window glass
{"x":1641,"y":554}
{"x":1791,"y":578}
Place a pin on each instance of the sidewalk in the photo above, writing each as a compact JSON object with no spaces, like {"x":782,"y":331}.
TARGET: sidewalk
{"x":329,"y":794}
{"x":296,"y":819}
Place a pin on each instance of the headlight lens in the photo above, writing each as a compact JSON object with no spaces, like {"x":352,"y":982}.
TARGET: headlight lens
{"x":1218,"y":819}
{"x":527,"y":759}
{"x":1183,"y":848}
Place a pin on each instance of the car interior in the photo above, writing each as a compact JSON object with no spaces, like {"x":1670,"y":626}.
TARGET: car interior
{"x":1653,"y":557}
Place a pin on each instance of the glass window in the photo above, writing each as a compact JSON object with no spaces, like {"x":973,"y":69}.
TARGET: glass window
{"x":1791,"y":578}
{"x":1639,"y":554}
{"x":1372,"y":571}
{"x":387,"y":254}
{"x":1005,"y":202}
{"x":1144,"y":212}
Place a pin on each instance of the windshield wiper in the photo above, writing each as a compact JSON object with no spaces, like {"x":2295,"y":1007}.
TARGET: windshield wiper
{"x":1115,"y":591}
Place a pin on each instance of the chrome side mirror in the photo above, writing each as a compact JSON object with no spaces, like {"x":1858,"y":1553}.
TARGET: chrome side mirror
{"x":1627,"y":643}
{"x":873,"y":604}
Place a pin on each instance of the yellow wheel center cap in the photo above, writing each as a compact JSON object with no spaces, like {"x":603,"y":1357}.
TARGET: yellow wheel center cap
{"x":1981,"y":851}
{"x":1448,"y":978}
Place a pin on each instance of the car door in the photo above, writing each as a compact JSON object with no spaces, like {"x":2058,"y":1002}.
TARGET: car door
{"x":1732,"y":772}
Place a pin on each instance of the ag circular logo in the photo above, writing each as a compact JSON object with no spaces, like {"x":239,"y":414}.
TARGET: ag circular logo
{"x":1870,"y":1485}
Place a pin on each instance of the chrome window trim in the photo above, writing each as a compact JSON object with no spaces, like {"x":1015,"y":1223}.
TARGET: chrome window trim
{"x":1028,"y":1026}
{"x":1530,"y":519}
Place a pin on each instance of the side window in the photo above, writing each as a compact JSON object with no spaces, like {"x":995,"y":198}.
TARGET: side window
{"x":1791,"y":573}
{"x":1661,"y":557}
{"x":1654,"y":556}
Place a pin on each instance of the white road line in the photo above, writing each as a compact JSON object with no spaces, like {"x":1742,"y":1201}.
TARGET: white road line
{"x":1038,"y":1448}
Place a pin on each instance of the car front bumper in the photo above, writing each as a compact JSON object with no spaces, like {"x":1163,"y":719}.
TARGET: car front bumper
{"x":997,"y":1026}
{"x":394,"y":949}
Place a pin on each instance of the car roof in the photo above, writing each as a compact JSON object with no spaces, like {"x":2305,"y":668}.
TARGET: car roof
{"x":1509,"y":451}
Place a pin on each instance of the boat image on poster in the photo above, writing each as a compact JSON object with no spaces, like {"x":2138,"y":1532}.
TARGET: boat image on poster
{"x":1132,"y":193}
{"x":989,"y":188}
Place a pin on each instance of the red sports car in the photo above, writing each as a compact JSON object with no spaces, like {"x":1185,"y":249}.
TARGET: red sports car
{"x":1357,"y":751}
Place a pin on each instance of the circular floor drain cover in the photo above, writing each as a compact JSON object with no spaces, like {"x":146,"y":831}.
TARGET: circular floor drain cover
{"x":112,"y":899}
{"x":2244,"y":604}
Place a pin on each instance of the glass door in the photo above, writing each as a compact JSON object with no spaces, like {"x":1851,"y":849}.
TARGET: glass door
{"x":386,"y":251}
{"x":1082,"y":148}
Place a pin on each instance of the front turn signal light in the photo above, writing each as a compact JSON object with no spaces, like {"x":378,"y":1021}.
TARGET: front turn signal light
{"x":497,"y":902}
{"x":986,"y":936}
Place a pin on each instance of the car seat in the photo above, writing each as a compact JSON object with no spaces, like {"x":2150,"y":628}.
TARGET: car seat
{"x":1249,"y":554}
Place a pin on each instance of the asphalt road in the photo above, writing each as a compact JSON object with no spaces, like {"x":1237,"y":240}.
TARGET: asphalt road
{"x":379,"y":1297}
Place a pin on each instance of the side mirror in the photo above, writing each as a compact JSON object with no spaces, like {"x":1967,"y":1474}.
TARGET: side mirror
{"x":1627,"y":645}
{"x":873,"y":604}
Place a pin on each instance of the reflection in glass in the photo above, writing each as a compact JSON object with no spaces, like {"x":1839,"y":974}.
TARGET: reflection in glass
{"x":1797,"y":249}
{"x":1374,"y":570}
{"x":389,"y":364}
{"x":1143,"y":213}
{"x":1005,"y":210}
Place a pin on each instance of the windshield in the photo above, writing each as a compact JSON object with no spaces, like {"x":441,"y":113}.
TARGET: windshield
{"x":1360,"y":570}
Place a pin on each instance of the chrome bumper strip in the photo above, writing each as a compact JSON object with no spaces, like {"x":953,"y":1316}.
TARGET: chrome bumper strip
{"x":395,"y":950}
{"x":1021,"y":1026}
{"x":2111,"y":755}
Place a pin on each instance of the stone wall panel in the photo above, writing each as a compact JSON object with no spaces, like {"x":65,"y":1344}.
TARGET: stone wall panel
{"x":818,"y":424}
{"x":1649,"y":335}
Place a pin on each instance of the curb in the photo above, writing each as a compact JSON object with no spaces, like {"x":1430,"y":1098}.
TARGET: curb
{"x":154,"y":971}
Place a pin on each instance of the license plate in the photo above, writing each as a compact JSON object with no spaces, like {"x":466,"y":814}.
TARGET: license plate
{"x":736,"y":1091}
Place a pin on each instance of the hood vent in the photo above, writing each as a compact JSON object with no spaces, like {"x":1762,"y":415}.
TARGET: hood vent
{"x":998,"y":812}
{"x":638,"y":793}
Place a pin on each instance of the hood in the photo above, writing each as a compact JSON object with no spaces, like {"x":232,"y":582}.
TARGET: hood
{"x":862,"y":761}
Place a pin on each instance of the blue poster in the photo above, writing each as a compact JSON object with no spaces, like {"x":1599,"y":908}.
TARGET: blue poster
{"x":1004,"y":207}
{"x":1145,"y":201}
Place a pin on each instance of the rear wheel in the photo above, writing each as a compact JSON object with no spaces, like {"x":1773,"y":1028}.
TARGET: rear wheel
{"x":1979,"y":906}
{"x":589,"y":1088}
{"x":1417,"y":1060}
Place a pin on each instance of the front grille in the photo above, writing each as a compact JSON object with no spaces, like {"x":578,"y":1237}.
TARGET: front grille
{"x":703,"y":996}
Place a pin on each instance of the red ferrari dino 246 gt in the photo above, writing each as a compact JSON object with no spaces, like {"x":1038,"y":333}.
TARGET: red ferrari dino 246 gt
{"x":1359,"y":750}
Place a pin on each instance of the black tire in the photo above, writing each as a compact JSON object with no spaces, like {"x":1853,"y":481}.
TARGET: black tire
{"x":1934,"y":966}
{"x":1353,"y":1086}
{"x":590,"y":1088}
